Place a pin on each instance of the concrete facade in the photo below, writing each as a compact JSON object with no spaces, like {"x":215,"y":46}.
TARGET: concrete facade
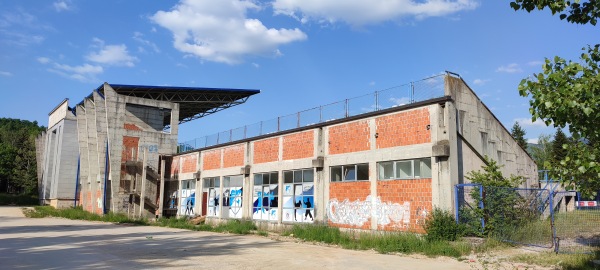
{"x":57,"y":168}
{"x":397,"y":165}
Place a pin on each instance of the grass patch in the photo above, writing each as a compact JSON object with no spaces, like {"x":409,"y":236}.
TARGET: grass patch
{"x":79,"y":214}
{"x":388,"y":242}
{"x":564,"y":261}
{"x":20,"y":200}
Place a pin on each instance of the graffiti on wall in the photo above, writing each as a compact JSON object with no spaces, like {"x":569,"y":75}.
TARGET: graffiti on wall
{"x":265,"y":202}
{"x":358,"y":212}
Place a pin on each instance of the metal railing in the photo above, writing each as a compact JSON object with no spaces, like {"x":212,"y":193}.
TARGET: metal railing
{"x":428,"y":88}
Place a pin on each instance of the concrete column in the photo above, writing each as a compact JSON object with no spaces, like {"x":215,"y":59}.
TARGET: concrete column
{"x":115,"y":118}
{"x":102,"y":129}
{"x":84,"y":166}
{"x":320,"y":178}
{"x":373,"y":172}
{"x":161,"y":196}
{"x":92,"y":140}
{"x":143,"y":190}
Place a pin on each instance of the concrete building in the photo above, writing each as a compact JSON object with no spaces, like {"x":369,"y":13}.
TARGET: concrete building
{"x":382,"y":161}
{"x":115,"y":138}
{"x":57,"y":153}
{"x":377,"y":162}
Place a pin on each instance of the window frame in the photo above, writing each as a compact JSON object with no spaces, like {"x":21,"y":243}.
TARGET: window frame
{"x":344,"y":173}
{"x":396,"y":170}
{"x":262,"y":186}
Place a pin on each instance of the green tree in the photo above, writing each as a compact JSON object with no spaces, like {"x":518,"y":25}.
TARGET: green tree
{"x":18,"y":171}
{"x":567,"y":94}
{"x":519,"y":135}
{"x":559,"y":152}
{"x":542,"y":152}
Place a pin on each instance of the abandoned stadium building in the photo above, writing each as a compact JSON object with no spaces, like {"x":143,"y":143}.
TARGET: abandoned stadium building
{"x":383,"y":161}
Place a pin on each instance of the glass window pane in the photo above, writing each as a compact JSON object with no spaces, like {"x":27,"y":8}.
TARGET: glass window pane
{"x":217,"y":182}
{"x":265,"y":179}
{"x":297,"y":176}
{"x":362,"y":172}
{"x":336,"y":173}
{"x":404,"y":169}
{"x":426,"y":168}
{"x":417,"y":168}
{"x":349,"y":173}
{"x":288,"y":177}
{"x":386,"y":170}
{"x":257,"y":179}
{"x":308,"y":175}
{"x":274,"y":178}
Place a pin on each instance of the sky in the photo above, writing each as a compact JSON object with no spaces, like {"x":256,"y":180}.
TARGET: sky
{"x":299,"y":53}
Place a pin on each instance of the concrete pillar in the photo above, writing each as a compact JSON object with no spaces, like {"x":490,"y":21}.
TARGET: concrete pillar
{"x":84,"y":166}
{"x":101,"y":128}
{"x":92,"y":150}
{"x":115,"y":118}
{"x":161,"y":196}
{"x":373,"y":173}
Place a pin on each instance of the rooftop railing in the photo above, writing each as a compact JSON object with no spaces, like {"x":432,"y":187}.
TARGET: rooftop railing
{"x":428,"y":88}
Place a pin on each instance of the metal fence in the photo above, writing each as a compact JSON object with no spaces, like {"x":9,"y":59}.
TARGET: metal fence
{"x":421,"y":90}
{"x":532,"y":217}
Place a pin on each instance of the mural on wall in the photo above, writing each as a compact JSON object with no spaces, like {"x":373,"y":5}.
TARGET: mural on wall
{"x":357,"y":213}
{"x":265,"y":202}
{"x":213,"y":203}
{"x":232,"y":202}
{"x":188,"y":197}
{"x":298,"y":202}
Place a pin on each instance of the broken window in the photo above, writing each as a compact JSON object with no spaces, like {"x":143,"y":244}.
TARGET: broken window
{"x":355,"y":172}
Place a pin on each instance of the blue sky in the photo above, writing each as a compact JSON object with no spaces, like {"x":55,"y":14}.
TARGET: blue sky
{"x":299,"y":53}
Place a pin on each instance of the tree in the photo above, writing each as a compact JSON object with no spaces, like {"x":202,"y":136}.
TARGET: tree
{"x":559,"y":152}
{"x":519,"y":135}
{"x":542,"y":152}
{"x":18,"y":170}
{"x":567,"y":94}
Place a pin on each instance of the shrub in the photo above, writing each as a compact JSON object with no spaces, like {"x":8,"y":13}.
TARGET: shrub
{"x":441,"y":226}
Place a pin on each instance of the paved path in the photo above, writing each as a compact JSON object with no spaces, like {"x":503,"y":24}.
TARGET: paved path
{"x":52,"y":243}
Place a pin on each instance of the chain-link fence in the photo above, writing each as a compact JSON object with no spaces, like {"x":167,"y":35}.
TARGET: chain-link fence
{"x":422,"y":90}
{"x":534,"y":217}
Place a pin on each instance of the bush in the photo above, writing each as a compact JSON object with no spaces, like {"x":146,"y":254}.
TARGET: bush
{"x":441,"y":226}
{"x":21,"y":200}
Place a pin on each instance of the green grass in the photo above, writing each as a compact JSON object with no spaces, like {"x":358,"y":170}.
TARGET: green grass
{"x":388,"y":242}
{"x":20,"y":200}
{"x":564,"y":261}
{"x":79,"y":214}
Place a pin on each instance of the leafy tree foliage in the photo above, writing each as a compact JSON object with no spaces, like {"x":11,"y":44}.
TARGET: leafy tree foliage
{"x":18,"y":171}
{"x":567,"y":94}
{"x":542,"y":152}
{"x":518,"y":134}
{"x":580,"y":12}
{"x":559,"y":152}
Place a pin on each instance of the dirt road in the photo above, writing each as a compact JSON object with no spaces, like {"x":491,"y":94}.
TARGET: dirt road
{"x":52,"y":243}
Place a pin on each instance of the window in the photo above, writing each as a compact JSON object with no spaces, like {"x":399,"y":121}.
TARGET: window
{"x":484,"y":142}
{"x":212,"y":188}
{"x":265,"y":197}
{"x":405,"y":169}
{"x":188,"y":197}
{"x":232,"y":196}
{"x":358,"y":172}
{"x":298,"y":196}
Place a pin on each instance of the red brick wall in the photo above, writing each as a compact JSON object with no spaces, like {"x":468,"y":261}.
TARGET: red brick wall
{"x":127,"y":126}
{"x":189,"y":163}
{"x":233,"y":156}
{"x":417,"y":192}
{"x":211,"y":160}
{"x":404,"y":128}
{"x":266,"y":150}
{"x":130,"y":148}
{"x":350,"y":137}
{"x":299,"y":145}
{"x":351,"y":191}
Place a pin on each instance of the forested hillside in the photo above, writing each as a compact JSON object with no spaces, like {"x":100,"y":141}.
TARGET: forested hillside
{"x":18,"y":172}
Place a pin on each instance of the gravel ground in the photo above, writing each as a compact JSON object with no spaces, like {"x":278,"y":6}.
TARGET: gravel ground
{"x":53,"y":243}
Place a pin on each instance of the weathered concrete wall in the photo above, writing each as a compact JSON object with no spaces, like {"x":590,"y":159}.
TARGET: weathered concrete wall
{"x":486,"y":136}
{"x":58,"y":157}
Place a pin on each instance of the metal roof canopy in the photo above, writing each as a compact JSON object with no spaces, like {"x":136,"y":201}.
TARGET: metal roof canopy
{"x":194,"y":102}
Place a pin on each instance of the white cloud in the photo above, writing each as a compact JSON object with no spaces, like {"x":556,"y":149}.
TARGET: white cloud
{"x":360,"y":12}
{"x":256,"y":65}
{"x":535,"y":63}
{"x":116,"y":55}
{"x":480,"y":82}
{"x":61,"y":6}
{"x":220,"y":31}
{"x":43,"y":60}
{"x":400,"y":101}
{"x":533,"y":140}
{"x":83,"y":73}
{"x":511,"y":68}
{"x":5,"y":73}
{"x":137,"y":36}
{"x":526,"y":122}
